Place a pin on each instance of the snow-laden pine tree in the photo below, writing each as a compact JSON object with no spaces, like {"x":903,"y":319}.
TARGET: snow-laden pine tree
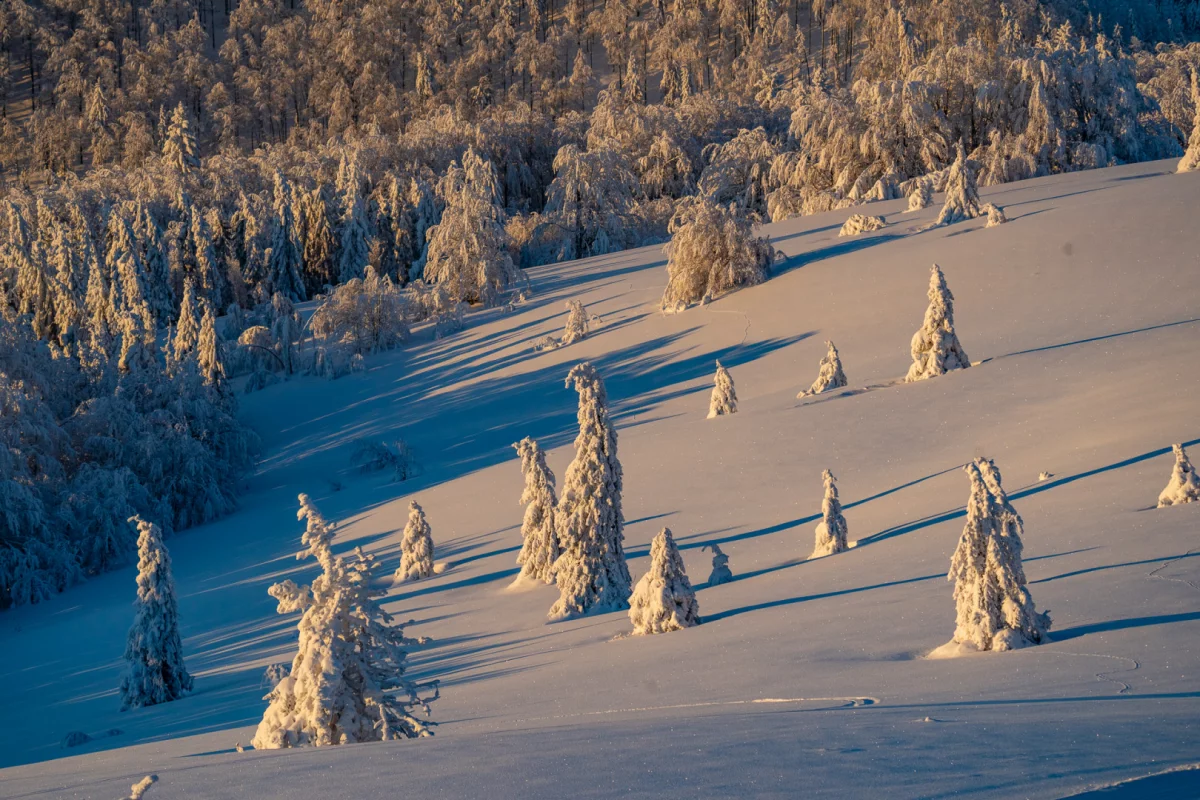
{"x":712,"y":252}
{"x":285,"y":264}
{"x":187,"y":328}
{"x":354,"y":228}
{"x":962,"y":191}
{"x":921,"y":195}
{"x":576,"y":329}
{"x":179,"y":146}
{"x":591,"y":572}
{"x":1184,"y":486}
{"x":347,"y":681}
{"x":724,"y":395}
{"x":539,"y":540}
{"x":994,"y":609}
{"x":720,"y":566}
{"x":862,"y":223}
{"x":829,"y":374}
{"x":663,"y":600}
{"x":995,"y":215}
{"x":416,"y":547}
{"x":831,"y":530}
{"x":154,"y":671}
{"x":208,"y":350}
{"x":1191,"y":159}
{"x":935,"y":347}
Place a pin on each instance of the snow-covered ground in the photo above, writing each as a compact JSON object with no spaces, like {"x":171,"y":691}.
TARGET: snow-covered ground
{"x":807,"y":678}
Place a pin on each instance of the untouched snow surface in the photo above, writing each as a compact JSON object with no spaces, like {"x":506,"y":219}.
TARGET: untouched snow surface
{"x":806,"y":677}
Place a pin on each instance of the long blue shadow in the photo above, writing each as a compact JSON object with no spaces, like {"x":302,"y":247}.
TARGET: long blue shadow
{"x":1122,"y":624}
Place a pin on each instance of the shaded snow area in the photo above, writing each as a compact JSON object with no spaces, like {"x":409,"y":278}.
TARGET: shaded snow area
{"x":805,"y":677}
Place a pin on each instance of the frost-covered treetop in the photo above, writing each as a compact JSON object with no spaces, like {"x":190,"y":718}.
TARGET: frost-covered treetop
{"x":935,"y":347}
{"x":829,"y":374}
{"x":724,"y":395}
{"x":664,"y":600}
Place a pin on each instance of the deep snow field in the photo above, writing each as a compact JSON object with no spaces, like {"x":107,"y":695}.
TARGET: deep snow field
{"x":807,"y":678}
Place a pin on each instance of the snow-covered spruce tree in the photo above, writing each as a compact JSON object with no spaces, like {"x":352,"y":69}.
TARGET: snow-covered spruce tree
{"x":921,"y":196}
{"x":1184,"y":486}
{"x":285,"y":264}
{"x":862,"y":223}
{"x":179,"y":146}
{"x":347,"y":681}
{"x":994,"y":609}
{"x":663,"y":600}
{"x":720,"y":566}
{"x":539,"y":540}
{"x":287,"y":327}
{"x":1191,"y":159}
{"x":154,"y":671}
{"x":187,"y":328}
{"x":831,"y":530}
{"x":208,"y":352}
{"x":354,"y":228}
{"x":591,"y":572}
{"x":724,"y":395}
{"x":576,"y":329}
{"x":416,"y":547}
{"x":829,"y":374}
{"x":712,"y":251}
{"x":995,"y":215}
{"x":935,"y":347}
{"x":962,"y":192}
{"x":468,"y":250}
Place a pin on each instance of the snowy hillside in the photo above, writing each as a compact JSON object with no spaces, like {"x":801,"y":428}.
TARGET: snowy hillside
{"x":806,"y":677}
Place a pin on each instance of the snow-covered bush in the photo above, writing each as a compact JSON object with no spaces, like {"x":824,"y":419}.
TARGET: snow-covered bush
{"x":862,"y":223}
{"x":921,"y":195}
{"x":995,"y":215}
{"x":1191,"y":158}
{"x":994,"y":609}
{"x":1184,"y":486}
{"x":831,"y":530}
{"x":663,"y":600}
{"x":962,"y":192}
{"x":539,"y":540}
{"x":829,"y":373}
{"x":935,"y":347}
{"x":347,"y":680}
{"x":372,"y":455}
{"x":367,"y":315}
{"x":416,"y":547}
{"x":720,"y":566}
{"x":138,"y":790}
{"x":724,"y":395}
{"x":576,"y":328}
{"x":712,"y":251}
{"x":154,"y":671}
{"x":591,"y":572}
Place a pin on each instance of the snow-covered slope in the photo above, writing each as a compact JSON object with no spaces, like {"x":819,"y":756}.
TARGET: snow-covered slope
{"x":807,"y":678}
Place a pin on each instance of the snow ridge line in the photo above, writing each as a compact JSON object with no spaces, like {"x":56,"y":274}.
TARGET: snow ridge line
{"x":846,"y":702}
{"x":1154,"y":572}
{"x":1103,"y":676}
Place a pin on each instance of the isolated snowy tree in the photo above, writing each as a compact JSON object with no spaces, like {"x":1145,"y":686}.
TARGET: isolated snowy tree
{"x":539,"y":540}
{"x":576,"y":328}
{"x":154,"y":671}
{"x":724,"y":395}
{"x":1184,"y":486}
{"x":994,"y":609}
{"x":995,"y":215}
{"x":713,"y":251}
{"x":862,"y":223}
{"x":138,"y":790}
{"x":962,"y":192}
{"x":663,"y":600}
{"x":831,"y":530}
{"x":720,"y":566}
{"x":1191,"y":158}
{"x":416,"y":547}
{"x":347,"y":680}
{"x":935,"y":347}
{"x":921,"y":195}
{"x":591,"y":572}
{"x":829,"y":373}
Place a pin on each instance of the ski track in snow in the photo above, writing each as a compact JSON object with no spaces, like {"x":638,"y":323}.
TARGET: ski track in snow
{"x":1154,"y":573}
{"x":1103,"y":675}
{"x":846,"y":702}
{"x":745,"y":316}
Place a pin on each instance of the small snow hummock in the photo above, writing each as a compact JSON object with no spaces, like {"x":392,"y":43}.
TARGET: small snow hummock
{"x":862,"y":223}
{"x":591,"y":572}
{"x":1184,"y":486}
{"x":539,"y":548}
{"x":416,"y":547}
{"x":962,"y":192}
{"x":1191,"y":159}
{"x":663,"y":600}
{"x":829,"y":374}
{"x":138,"y":790}
{"x":724,"y":396}
{"x":155,"y":672}
{"x":994,"y":609}
{"x":576,"y":329}
{"x":347,"y":680}
{"x":720,"y":566}
{"x":995,"y":215}
{"x":935,"y":347}
{"x":831,"y":530}
{"x":921,"y":195}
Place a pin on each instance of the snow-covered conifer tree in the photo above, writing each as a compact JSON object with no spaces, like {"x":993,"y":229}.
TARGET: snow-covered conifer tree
{"x":154,"y":671}
{"x":591,"y":572}
{"x":539,"y":540}
{"x":663,"y":600}
{"x":1184,"y":486}
{"x":829,"y":373}
{"x":416,"y":547}
{"x":577,"y":323}
{"x":287,"y":328}
{"x":862,"y":223}
{"x":831,"y":530}
{"x":285,"y":265}
{"x":994,"y":609}
{"x":724,"y":396}
{"x":713,"y":251}
{"x":187,"y":329}
{"x":720,"y":566}
{"x":935,"y":347}
{"x":347,"y":680}
{"x":355,"y":233}
{"x":179,"y":147}
{"x":921,"y":196}
{"x":1191,"y":158}
{"x":208,"y":351}
{"x":962,"y":192}
{"x":995,"y":215}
